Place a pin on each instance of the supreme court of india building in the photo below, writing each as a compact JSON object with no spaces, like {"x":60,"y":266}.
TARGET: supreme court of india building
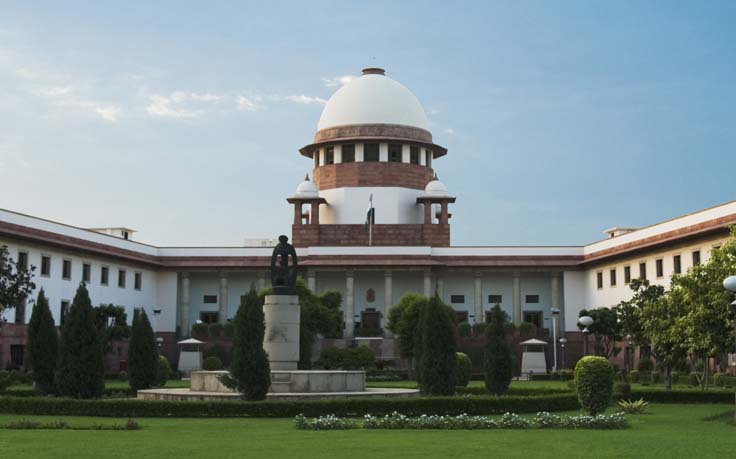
{"x":372,"y":144}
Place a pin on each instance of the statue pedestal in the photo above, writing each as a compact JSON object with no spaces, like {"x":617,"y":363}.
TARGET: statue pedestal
{"x":281,"y":340}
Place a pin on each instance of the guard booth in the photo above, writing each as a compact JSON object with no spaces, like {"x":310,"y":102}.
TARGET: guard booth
{"x":190,"y":356}
{"x":533,"y":358}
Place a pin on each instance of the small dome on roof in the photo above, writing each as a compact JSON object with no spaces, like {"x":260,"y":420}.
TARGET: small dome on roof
{"x":436,"y":189}
{"x":306,"y":189}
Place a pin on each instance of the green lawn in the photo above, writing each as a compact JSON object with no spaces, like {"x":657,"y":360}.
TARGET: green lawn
{"x":666,"y":431}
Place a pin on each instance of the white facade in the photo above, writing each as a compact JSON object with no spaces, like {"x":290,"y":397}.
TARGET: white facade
{"x":349,"y":205}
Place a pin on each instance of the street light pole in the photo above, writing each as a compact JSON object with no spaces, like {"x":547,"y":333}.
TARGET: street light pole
{"x":585,"y":321}
{"x":730,"y":284}
{"x":555,"y":315}
{"x":562,"y":346}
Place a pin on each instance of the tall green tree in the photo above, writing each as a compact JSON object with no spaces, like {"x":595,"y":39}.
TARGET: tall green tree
{"x":16,"y":281}
{"x":250,"y":371}
{"x":43,"y":345}
{"x":438,"y":364}
{"x":143,"y":358}
{"x":499,"y":361}
{"x":113,"y":324}
{"x":403,"y":322}
{"x":606,"y":331}
{"x":80,"y":368}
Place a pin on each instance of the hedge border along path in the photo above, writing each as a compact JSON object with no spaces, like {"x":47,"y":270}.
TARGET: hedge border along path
{"x":129,"y":408}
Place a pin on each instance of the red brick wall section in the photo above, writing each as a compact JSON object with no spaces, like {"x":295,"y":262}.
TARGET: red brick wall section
{"x":383,"y":235}
{"x":404,"y":175}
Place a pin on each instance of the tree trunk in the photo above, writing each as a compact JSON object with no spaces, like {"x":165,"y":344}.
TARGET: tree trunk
{"x":668,"y":376}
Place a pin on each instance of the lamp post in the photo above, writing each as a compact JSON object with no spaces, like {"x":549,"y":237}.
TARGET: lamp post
{"x":159,"y":340}
{"x":730,"y":284}
{"x":562,"y":346}
{"x":555,"y":316}
{"x":585,"y":321}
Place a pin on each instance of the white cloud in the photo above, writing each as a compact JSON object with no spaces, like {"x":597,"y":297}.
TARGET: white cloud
{"x":247,"y":104}
{"x":302,"y":99}
{"x":337,"y":81}
{"x":450,"y":131}
{"x":433,"y":111}
{"x":165,"y":107}
{"x":63,"y":96}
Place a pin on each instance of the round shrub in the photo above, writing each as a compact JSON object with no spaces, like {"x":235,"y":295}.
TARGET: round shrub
{"x":164,"y":370}
{"x":645,"y":365}
{"x":215,"y":330}
{"x":594,"y":382}
{"x":634,"y":376}
{"x":212,"y":364}
{"x":464,"y":330}
{"x":622,"y":391}
{"x":464,"y":369}
{"x":200,"y":330}
{"x":692,"y":378}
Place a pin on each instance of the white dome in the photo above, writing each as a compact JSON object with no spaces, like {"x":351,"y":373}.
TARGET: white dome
{"x":306,"y":189}
{"x":435,"y":189}
{"x":373,"y":99}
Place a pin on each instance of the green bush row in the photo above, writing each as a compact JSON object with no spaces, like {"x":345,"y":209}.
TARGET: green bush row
{"x":126,"y":408}
{"x":559,"y":375}
{"x":675,"y":396}
{"x":123,"y":392}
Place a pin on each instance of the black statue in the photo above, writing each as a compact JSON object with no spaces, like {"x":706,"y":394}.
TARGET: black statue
{"x":283,"y":276}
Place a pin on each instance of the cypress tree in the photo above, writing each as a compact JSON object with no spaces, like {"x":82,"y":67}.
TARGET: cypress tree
{"x":80,"y":369}
{"x":250,"y":372}
{"x":498,"y":358}
{"x":142,"y":353}
{"x":437,"y":362}
{"x":43,"y":345}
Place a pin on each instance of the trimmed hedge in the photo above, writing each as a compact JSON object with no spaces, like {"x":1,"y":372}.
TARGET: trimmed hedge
{"x":675,"y":396}
{"x":126,"y":408}
{"x":594,"y":382}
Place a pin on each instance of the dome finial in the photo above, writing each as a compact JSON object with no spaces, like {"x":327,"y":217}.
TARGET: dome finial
{"x":306,"y":177}
{"x":435,"y":176}
{"x":374,"y":71}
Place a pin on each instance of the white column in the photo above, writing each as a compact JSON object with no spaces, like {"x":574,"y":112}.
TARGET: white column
{"x":405,"y":153}
{"x":222,"y":300}
{"x":312,"y":280}
{"x":338,"y":153}
{"x":517,"y":299}
{"x":554,"y":287}
{"x":349,"y":305}
{"x":261,"y":280}
{"x":479,"y":316}
{"x":184,"y":306}
{"x":427,"y":282}
{"x":440,"y":287}
{"x":359,"y":157}
{"x":383,"y":152}
{"x":388,"y":296}
{"x":422,"y":156}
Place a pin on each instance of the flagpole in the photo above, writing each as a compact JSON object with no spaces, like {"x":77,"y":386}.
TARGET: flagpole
{"x":370,"y":229}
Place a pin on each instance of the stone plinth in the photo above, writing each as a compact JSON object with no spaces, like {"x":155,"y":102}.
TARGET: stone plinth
{"x":209,"y":381}
{"x":281,"y":340}
{"x":301,"y":382}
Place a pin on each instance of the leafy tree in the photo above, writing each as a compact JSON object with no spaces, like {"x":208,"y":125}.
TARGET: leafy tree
{"x":80,"y":370}
{"x":659,"y":320}
{"x":250,"y":372}
{"x":16,"y":282}
{"x":403,"y":321}
{"x":43,"y":345}
{"x":606,"y":330}
{"x":113,"y":324}
{"x":438,"y":364}
{"x":498,"y":357}
{"x":143,"y":358}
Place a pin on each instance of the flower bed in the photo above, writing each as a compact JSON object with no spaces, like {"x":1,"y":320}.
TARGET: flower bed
{"x":393,"y":421}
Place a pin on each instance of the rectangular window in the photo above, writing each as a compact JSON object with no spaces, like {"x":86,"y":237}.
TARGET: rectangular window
{"x":121,"y":278}
{"x":20,"y":312}
{"x":414,"y":155}
{"x":209,"y":317}
{"x":457,"y":299}
{"x":394,"y":153}
{"x":643,"y":270}
{"x":461,"y":316}
{"x":659,"y":266}
{"x":17,"y":353}
{"x":495,"y":299}
{"x":599,"y":279}
{"x":370,"y":152}
{"x":316,"y":158}
{"x":66,"y":269}
{"x":104,"y":275}
{"x":86,"y":272}
{"x":627,"y":275}
{"x":533,"y":317}
{"x":428,"y":154}
{"x":137,"y":281}
{"x":62,"y":312}
{"x":532,"y":299}
{"x":677,"y":262}
{"x":348,"y":153}
{"x":209,"y":299}
{"x":330,"y":155}
{"x":696,"y":257}
{"x":613,"y":277}
{"x":45,"y":266}
{"x":22,"y":260}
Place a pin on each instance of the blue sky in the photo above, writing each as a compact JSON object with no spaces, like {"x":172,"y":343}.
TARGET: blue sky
{"x":183,"y":120}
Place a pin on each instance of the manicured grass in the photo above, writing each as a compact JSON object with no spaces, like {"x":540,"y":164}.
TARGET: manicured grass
{"x":666,"y":431}
{"x":112,"y":384}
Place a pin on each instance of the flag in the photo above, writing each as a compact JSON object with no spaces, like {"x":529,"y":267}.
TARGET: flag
{"x":370,"y":216}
